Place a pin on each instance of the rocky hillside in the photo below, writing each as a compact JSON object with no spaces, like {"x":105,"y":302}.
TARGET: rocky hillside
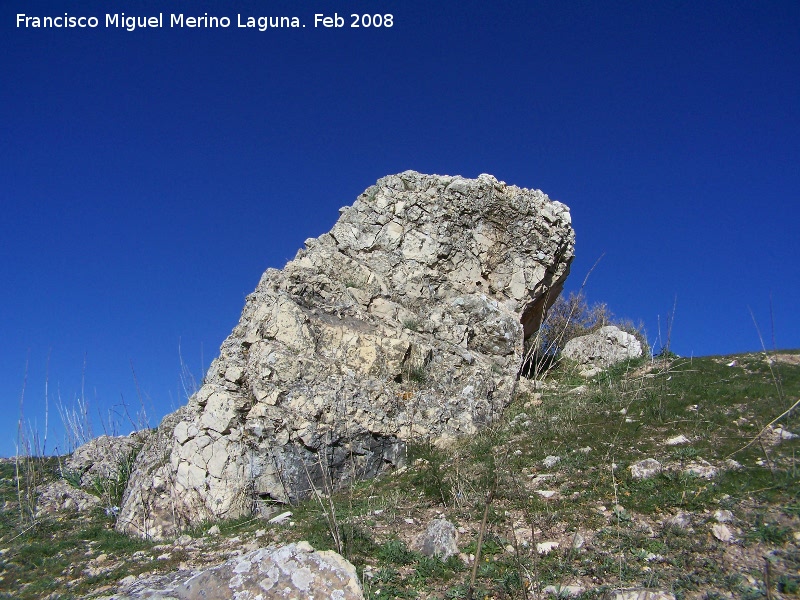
{"x":365,"y":433}
{"x":672,"y":478}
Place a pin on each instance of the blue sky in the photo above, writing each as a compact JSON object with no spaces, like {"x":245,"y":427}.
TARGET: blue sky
{"x":150,"y":177}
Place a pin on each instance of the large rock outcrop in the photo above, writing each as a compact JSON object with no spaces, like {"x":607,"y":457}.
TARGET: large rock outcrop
{"x":405,"y":321}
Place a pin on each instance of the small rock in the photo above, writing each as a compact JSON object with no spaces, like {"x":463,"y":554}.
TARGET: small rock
{"x":653,"y":557}
{"x":733,"y":465}
{"x":578,"y":541}
{"x":702,"y":469}
{"x":551,"y":461}
{"x":681,"y":520}
{"x":723,"y":516}
{"x":590,"y":372}
{"x":546,"y":494}
{"x":537,"y":479}
{"x":281,"y":518}
{"x":440,"y":539}
{"x":785,"y":435}
{"x":546,"y":547}
{"x":722,"y":533}
{"x":564,"y":591}
{"x":602,"y":348}
{"x":183,"y":540}
{"x":644,"y":469}
{"x":304,"y":546}
{"x":677,"y":440}
{"x":639,"y":594}
{"x":214,"y":530}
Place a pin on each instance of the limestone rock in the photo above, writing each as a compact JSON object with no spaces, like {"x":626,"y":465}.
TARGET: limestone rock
{"x":601,"y":349}
{"x":722,"y":532}
{"x":294,"y":572}
{"x":723,"y":516}
{"x":564,"y":591}
{"x":677,"y":440}
{"x":639,"y":594}
{"x":702,"y":469}
{"x":775,"y":435}
{"x":681,"y":520}
{"x":150,"y":486}
{"x":406,"y":320}
{"x":546,"y":547}
{"x":644,"y":469}
{"x":59,"y":496}
{"x":551,"y":461}
{"x":440,"y":539}
{"x":104,"y":456}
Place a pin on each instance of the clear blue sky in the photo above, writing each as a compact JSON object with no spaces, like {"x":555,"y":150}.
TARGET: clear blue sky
{"x":150,"y":177}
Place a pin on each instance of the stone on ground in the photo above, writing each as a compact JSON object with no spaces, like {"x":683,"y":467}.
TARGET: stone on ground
{"x":440,"y":539}
{"x":601,"y":349}
{"x":644,"y":469}
{"x":294,"y":571}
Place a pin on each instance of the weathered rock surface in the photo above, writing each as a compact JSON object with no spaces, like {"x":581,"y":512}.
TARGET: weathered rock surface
{"x":294,"y":572}
{"x":645,"y":469}
{"x":639,"y":594}
{"x":440,"y":539}
{"x":104,"y":456}
{"x":60,"y":496}
{"x":406,"y":319}
{"x":602,"y":348}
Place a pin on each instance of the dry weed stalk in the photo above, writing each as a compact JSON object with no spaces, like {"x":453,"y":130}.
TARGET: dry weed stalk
{"x":481,"y":533}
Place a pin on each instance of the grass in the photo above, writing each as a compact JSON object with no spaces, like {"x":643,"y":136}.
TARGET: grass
{"x":626,"y":527}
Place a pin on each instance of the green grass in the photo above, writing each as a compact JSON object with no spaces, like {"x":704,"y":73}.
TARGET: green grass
{"x":623,"y":416}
